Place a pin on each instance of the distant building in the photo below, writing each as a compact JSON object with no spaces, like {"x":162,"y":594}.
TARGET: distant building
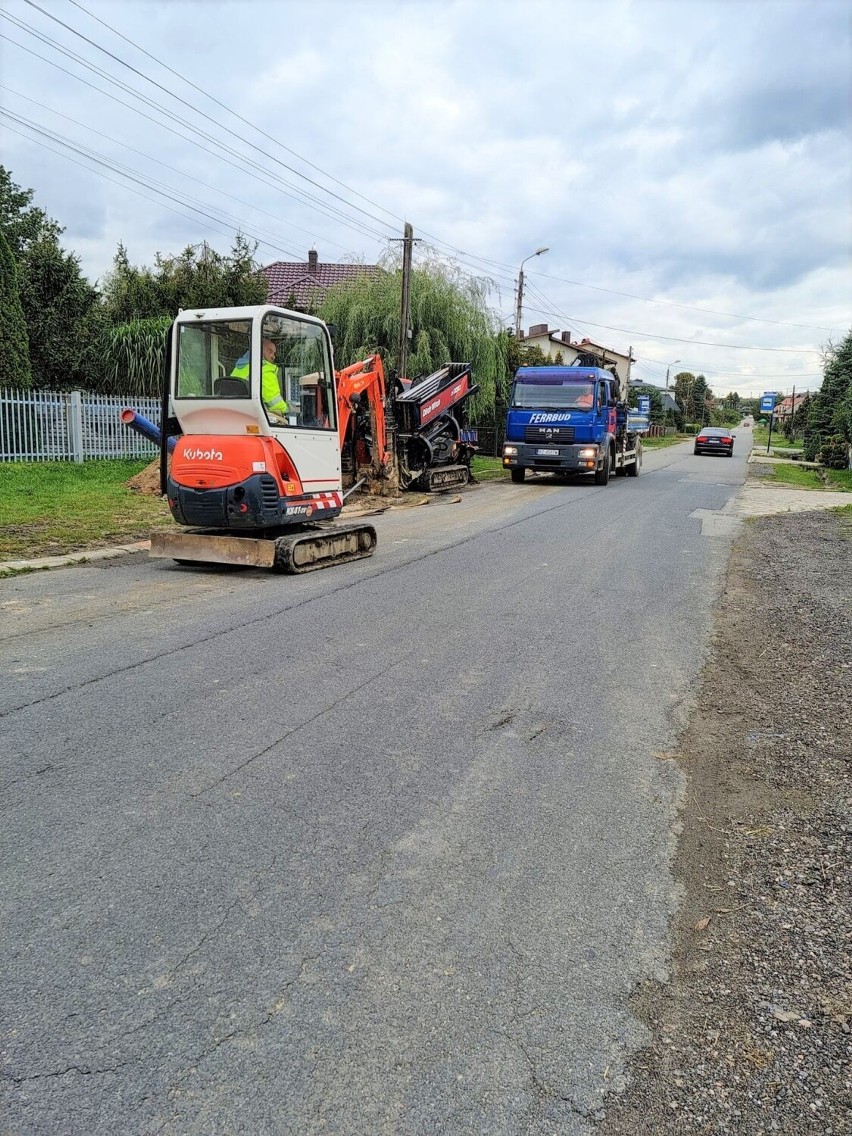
{"x":586,"y":351}
{"x":306,"y":284}
{"x":786,"y":409}
{"x":666,"y":396}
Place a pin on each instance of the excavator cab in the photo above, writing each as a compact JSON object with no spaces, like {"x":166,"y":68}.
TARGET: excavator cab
{"x":253,"y":392}
{"x":264,"y":358}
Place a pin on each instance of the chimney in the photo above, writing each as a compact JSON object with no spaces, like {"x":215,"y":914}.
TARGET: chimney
{"x":538,"y":329}
{"x":566,"y":337}
{"x":312,"y":262}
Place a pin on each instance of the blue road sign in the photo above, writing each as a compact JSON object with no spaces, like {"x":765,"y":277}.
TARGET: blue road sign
{"x":644,"y":404}
{"x":767,"y":403}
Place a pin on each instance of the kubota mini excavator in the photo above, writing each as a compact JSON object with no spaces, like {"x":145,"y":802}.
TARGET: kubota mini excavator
{"x":263,"y":435}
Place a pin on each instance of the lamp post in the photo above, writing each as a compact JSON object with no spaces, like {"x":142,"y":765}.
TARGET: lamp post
{"x":519,"y":305}
{"x":668,"y":369}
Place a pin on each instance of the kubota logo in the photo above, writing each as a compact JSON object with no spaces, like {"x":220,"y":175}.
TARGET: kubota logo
{"x":203,"y":455}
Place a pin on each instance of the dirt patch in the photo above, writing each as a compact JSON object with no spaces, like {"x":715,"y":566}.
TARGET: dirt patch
{"x":752,"y":1034}
{"x":147,"y":481}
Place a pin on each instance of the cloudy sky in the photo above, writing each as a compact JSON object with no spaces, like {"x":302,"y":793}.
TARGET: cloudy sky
{"x":688,"y":163}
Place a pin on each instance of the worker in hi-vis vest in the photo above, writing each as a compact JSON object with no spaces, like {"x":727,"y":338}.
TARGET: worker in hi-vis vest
{"x":270,"y":390}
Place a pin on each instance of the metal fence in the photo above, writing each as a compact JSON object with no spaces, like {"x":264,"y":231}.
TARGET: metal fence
{"x":71,"y":426}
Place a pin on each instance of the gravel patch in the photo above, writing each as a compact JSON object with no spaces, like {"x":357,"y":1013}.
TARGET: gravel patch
{"x":752,"y":1034}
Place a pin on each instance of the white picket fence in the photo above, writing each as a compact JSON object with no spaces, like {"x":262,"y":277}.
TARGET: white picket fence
{"x":74,"y":426}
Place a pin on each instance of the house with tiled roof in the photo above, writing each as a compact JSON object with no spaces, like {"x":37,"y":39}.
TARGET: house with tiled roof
{"x":560,"y":344}
{"x":785,"y":408}
{"x":305,"y":284}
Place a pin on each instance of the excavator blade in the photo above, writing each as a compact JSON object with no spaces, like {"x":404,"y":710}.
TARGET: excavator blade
{"x":214,"y":548}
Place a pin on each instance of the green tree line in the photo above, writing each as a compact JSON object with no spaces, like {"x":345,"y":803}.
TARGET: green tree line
{"x":60,"y":332}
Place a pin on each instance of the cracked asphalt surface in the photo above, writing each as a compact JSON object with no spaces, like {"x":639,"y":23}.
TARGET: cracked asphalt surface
{"x":381,"y":849}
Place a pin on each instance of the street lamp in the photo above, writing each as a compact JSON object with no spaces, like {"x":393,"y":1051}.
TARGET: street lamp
{"x":519,"y":304}
{"x":669,"y":369}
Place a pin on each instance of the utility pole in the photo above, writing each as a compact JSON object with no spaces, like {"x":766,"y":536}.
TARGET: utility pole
{"x":407,"y":247}
{"x":519,"y":302}
{"x":519,"y":305}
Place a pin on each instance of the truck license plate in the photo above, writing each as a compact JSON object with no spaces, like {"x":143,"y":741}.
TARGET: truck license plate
{"x":548,"y":453}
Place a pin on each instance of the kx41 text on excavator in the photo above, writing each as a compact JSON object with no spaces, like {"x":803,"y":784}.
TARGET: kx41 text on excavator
{"x":270,"y":439}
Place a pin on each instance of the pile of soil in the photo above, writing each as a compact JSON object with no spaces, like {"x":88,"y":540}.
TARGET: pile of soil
{"x":752,"y":1034}
{"x":147,"y":481}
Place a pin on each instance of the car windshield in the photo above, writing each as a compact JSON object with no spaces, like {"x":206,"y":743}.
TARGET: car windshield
{"x":714,"y":431}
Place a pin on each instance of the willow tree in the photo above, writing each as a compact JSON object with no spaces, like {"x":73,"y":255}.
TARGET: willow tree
{"x":450,"y":321}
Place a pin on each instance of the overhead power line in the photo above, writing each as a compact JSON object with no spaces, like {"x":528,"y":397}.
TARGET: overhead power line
{"x":165,"y":165}
{"x":203,"y":114}
{"x":312,"y":200}
{"x":685,"y":307}
{"x":249,"y":165}
{"x":230,"y":110}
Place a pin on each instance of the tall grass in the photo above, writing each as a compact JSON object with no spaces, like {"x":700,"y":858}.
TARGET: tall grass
{"x":132,"y":357}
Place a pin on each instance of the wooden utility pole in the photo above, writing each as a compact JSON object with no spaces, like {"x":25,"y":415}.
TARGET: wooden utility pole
{"x":407,"y":247}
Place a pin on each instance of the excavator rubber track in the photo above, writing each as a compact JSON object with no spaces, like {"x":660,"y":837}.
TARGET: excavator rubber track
{"x":321,"y":548}
{"x":293,"y":552}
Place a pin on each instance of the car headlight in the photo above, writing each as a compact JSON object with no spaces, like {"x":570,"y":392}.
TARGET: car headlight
{"x":510,"y":451}
{"x":589,"y":452}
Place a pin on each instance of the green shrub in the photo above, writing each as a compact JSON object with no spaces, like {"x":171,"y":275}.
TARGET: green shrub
{"x":834,"y":453}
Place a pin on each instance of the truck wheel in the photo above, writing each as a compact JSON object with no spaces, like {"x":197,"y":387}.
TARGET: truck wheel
{"x":518,"y":475}
{"x":602,"y":475}
{"x":634,"y":467}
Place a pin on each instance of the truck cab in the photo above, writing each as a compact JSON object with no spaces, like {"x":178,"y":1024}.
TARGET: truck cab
{"x":568,"y":420}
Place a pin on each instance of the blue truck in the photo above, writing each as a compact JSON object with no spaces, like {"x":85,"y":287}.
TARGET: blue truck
{"x":571,"y":420}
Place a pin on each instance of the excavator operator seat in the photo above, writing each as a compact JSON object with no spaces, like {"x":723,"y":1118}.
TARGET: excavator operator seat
{"x":231,"y":388}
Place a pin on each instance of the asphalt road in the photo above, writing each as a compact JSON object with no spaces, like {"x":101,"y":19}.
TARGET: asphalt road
{"x":380,"y":849}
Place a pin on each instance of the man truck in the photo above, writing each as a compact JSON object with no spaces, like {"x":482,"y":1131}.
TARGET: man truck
{"x":571,"y":420}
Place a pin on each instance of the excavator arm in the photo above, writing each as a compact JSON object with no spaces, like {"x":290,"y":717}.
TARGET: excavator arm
{"x":366,"y":378}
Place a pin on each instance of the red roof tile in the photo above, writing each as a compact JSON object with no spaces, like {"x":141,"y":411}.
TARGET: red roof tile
{"x":308,"y":283}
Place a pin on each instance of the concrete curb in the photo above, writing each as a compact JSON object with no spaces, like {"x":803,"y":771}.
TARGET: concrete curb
{"x":9,"y":567}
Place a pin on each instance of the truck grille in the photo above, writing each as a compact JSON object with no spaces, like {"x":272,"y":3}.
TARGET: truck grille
{"x":544,"y":435}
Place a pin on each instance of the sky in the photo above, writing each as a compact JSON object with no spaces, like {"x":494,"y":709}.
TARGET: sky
{"x":687,"y":163}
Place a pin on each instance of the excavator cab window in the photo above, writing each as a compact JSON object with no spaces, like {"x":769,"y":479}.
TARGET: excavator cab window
{"x":305,"y":375}
{"x":214,"y":360}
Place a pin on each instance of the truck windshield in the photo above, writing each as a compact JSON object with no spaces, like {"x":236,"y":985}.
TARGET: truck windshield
{"x":552,"y":394}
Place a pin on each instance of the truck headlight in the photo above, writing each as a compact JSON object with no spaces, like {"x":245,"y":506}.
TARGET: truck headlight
{"x":510,"y":451}
{"x":589,"y":452}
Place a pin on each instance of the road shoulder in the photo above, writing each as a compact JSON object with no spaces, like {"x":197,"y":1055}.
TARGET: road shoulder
{"x":752,"y":1033}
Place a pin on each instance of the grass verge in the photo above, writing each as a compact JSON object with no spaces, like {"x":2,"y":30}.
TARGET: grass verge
{"x":664,"y":440}
{"x":56,"y":507}
{"x":779,"y":441}
{"x":790,"y":474}
{"x":488,"y":469}
{"x":837,"y":480}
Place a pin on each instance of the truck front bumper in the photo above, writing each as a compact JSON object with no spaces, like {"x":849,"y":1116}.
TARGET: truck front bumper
{"x":576,"y":459}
